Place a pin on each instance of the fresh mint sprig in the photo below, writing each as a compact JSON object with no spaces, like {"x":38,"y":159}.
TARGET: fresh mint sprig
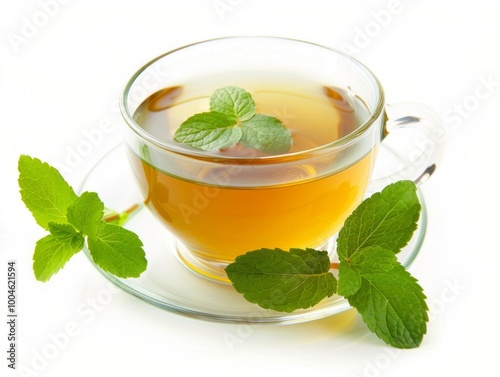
{"x":389,"y":299}
{"x":70,"y":219}
{"x":232,"y":119}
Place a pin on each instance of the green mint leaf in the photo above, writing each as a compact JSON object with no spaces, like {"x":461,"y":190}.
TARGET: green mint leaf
{"x":59,"y":210}
{"x":209,"y":131}
{"x":349,"y":280}
{"x":86,"y":213}
{"x":266,"y":134}
{"x":283,"y":281}
{"x":44,"y":191}
{"x":390,"y":301}
{"x":51,"y":253}
{"x":65,"y":233}
{"x":386,"y":219}
{"x":118,"y":251}
{"x":234,"y":102}
{"x":372,"y":259}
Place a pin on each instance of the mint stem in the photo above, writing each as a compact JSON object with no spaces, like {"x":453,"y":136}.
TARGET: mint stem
{"x":129,"y":210}
{"x":334,"y":266}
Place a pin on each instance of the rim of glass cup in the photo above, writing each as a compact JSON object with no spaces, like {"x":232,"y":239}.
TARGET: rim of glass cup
{"x":178,"y":149}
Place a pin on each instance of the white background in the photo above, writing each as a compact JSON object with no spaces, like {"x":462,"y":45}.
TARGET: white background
{"x":62,"y":79}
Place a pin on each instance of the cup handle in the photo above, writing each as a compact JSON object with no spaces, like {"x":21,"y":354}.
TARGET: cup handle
{"x":416,"y":155}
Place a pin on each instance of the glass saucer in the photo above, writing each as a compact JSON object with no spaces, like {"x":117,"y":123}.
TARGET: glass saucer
{"x":170,"y":285}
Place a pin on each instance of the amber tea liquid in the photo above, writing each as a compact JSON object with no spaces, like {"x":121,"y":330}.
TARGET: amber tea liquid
{"x":239,"y":210}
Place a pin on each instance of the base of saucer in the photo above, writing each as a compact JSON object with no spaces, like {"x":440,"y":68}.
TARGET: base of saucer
{"x":170,"y":285}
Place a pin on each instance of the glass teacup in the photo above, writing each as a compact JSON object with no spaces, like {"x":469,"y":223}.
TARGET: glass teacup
{"x":221,"y":204}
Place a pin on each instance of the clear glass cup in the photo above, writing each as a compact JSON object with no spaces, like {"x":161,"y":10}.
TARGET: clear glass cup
{"x":218,"y":207}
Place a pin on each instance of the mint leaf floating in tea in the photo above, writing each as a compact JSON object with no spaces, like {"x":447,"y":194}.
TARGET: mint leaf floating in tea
{"x":70,"y":218}
{"x":389,"y":299}
{"x":209,"y":131}
{"x":266,"y":134}
{"x":234,"y":102}
{"x":232,"y":119}
{"x":283,"y":281}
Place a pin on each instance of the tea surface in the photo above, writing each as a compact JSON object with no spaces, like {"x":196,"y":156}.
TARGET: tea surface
{"x":224,"y":220}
